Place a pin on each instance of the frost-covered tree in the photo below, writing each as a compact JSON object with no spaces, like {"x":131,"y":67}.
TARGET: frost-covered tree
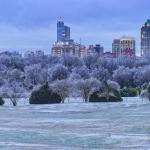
{"x":82,"y":71}
{"x":12,"y":60}
{"x":142,"y":75}
{"x":62,"y":88}
{"x":145,"y":94}
{"x":124,"y":76}
{"x":15,"y":75}
{"x":87,"y":87}
{"x":35,"y":75}
{"x":71,"y":61}
{"x":100,"y":74}
{"x":90,"y":61}
{"x":74,"y":76}
{"x":113,"y":85}
{"x":14,"y":91}
{"x":57,"y":72}
{"x":126,"y":61}
{"x":35,"y":71}
{"x":109,"y":64}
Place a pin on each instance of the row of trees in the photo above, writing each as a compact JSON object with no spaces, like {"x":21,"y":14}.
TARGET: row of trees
{"x":90,"y":90}
{"x":21,"y":76}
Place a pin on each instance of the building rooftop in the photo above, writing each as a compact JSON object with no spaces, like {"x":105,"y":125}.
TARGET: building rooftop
{"x":148,"y":21}
{"x":127,"y":38}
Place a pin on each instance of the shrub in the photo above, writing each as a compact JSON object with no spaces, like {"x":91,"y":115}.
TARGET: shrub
{"x":129,"y":92}
{"x":44,"y":96}
{"x":95,"y":97}
{"x":1,"y":101}
{"x":148,"y":90}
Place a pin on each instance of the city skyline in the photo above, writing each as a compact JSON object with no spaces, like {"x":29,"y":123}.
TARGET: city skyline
{"x":24,"y":28}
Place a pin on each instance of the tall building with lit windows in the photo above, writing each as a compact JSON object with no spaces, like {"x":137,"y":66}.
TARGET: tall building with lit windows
{"x":145,"y":39}
{"x":63,"y":32}
{"x":125,"y":46}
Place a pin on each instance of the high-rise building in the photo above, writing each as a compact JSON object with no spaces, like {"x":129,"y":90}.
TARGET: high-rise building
{"x":63,"y":32}
{"x":145,"y":39}
{"x":99,"y":49}
{"x":66,"y":46}
{"x":125,"y":46}
{"x":116,"y":47}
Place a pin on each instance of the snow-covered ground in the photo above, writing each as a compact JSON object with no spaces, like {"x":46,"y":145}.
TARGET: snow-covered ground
{"x":76,"y":126}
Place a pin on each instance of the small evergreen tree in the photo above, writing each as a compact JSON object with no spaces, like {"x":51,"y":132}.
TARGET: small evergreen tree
{"x":1,"y":101}
{"x":44,"y":96}
{"x":109,"y":92}
{"x":148,"y":89}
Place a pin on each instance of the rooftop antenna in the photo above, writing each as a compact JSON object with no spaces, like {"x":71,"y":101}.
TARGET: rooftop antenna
{"x":60,"y":18}
{"x":80,"y":40}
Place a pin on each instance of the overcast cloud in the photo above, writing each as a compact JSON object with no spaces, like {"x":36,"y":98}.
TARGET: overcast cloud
{"x":31,"y":24}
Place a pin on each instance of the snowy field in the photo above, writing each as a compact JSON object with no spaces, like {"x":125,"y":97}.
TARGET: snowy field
{"x":76,"y":126}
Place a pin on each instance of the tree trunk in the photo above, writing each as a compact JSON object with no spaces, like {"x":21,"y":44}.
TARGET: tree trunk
{"x":88,"y":98}
{"x":14,"y":101}
{"x":62,"y":100}
{"x":107,"y":96}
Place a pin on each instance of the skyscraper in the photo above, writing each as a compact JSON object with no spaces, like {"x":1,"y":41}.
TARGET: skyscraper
{"x":127,"y":46}
{"x":116,"y":47}
{"x":145,"y":39}
{"x":63,"y":32}
{"x":99,"y":49}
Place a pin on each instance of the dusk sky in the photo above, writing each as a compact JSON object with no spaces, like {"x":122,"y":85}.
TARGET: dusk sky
{"x":31,"y":24}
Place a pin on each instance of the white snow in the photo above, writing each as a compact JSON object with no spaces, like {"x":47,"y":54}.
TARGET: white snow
{"x":76,"y":125}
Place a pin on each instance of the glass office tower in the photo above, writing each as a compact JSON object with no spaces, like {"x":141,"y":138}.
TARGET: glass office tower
{"x":145,"y":39}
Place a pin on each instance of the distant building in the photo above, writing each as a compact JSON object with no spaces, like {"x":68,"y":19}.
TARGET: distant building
{"x":83,"y":51}
{"x":99,"y":49}
{"x":29,"y":54}
{"x":95,"y":50}
{"x":65,"y":45}
{"x":91,"y":50}
{"x":63,"y":33}
{"x":116,"y":47}
{"x":125,"y":46}
{"x":145,"y":39}
{"x":60,"y":49}
{"x":108,"y":55}
{"x":76,"y":49}
{"x":39,"y":53}
{"x":57,"y":49}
